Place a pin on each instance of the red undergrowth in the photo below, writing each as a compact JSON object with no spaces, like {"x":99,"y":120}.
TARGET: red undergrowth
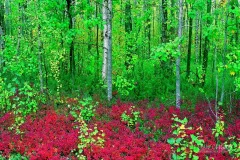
{"x":48,"y":135}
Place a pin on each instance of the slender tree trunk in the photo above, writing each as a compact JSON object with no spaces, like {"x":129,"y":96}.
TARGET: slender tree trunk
{"x":105,"y":43}
{"x":224,"y":55}
{"x":109,"y":54}
{"x":128,"y":30}
{"x":89,"y":30}
{"x":46,"y":71}
{"x":97,"y":45}
{"x":189,"y":46}
{"x":2,"y":28}
{"x":18,"y":41}
{"x":200,"y":39}
{"x":147,"y":29}
{"x":206,"y":45}
{"x":71,"y":51}
{"x":107,"y":46}
{"x":164,"y":21}
{"x":20,"y":28}
{"x":216,"y":93}
{"x":197,"y":46}
{"x":40,"y":59}
{"x":178,"y":61}
{"x":172,"y":32}
{"x":237,"y":24}
{"x":7,"y":21}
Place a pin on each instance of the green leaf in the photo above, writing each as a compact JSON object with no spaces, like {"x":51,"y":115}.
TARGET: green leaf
{"x":178,"y":140}
{"x":195,"y":157}
{"x":196,"y":149}
{"x":174,"y":156}
{"x":171,"y":141}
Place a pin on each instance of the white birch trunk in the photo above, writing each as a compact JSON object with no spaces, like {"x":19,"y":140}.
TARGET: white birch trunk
{"x":180,"y":21}
{"x":105,"y":41}
{"x":109,"y":55}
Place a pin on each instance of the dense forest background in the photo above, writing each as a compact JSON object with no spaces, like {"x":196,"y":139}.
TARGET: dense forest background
{"x":130,"y":49}
{"x":119,"y":79}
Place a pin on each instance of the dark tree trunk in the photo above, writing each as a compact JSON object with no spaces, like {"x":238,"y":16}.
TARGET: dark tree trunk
{"x":2,"y":32}
{"x":206,"y":45}
{"x":164,"y":21}
{"x":89,"y":30}
{"x":128,"y":30}
{"x":71,"y":52}
{"x":189,"y":46}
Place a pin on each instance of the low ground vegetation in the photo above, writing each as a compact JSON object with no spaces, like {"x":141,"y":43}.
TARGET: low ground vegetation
{"x":123,"y":131}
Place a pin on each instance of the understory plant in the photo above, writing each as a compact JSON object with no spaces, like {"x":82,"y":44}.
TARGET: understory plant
{"x":87,"y":136}
{"x":187,"y":141}
{"x":233,"y":146}
{"x":132,"y":118}
{"x":6,"y":91}
{"x":218,"y":130}
{"x":86,"y":108}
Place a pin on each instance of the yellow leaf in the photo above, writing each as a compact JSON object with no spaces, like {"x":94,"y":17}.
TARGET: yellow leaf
{"x":184,"y":135}
{"x":232,"y":73}
{"x":182,"y":127}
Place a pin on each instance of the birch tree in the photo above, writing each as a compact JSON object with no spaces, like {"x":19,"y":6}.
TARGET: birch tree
{"x":107,"y":46}
{"x":105,"y":43}
{"x":178,"y":94}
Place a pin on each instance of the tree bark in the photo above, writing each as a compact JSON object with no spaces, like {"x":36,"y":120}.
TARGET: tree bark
{"x":71,"y":49}
{"x":97,"y":44}
{"x":164,"y":21}
{"x":178,"y":61}
{"x":189,"y":46}
{"x":147,"y":28}
{"x":128,"y":30}
{"x":105,"y":42}
{"x":2,"y":28}
{"x":7,"y":21}
{"x":107,"y":46}
{"x":237,"y":24}
{"x":89,"y":30}
{"x":197,"y":45}
{"x":109,"y":55}
{"x":206,"y":45}
{"x":225,"y":44}
{"x":40,"y":59}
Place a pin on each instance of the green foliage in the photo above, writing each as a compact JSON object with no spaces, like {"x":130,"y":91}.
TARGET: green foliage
{"x":234,"y":65}
{"x":187,"y":146}
{"x":87,"y":137}
{"x":87,"y":109}
{"x":6,"y":91}
{"x":124,"y":86}
{"x":219,"y":129}
{"x":232,"y":145}
{"x":26,"y":102}
{"x":15,"y":156}
{"x":166,"y":51}
{"x":131,"y":119}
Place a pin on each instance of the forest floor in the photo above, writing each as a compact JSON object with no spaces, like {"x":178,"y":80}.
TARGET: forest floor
{"x":124,"y":131}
